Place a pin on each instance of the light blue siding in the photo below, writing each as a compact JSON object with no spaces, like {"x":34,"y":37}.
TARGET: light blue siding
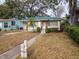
{"x":8,"y":28}
{"x":17,"y":25}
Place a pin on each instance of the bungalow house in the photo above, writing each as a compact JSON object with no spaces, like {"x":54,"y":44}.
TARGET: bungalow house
{"x":10,"y":24}
{"x":43,"y":22}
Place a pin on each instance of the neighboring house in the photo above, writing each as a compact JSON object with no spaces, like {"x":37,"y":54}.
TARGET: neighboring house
{"x":43,"y":22}
{"x":10,"y":24}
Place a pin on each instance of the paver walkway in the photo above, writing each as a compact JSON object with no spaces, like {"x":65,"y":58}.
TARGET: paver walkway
{"x":12,"y":54}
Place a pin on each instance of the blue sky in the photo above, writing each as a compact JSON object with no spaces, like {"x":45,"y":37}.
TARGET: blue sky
{"x":2,"y":1}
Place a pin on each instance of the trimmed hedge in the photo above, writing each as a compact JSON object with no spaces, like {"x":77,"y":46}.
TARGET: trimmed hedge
{"x":48,"y":30}
{"x":38,"y":29}
{"x":0,"y":29}
{"x":73,"y":33}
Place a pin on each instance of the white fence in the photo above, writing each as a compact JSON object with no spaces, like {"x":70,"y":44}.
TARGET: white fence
{"x":20,"y":49}
{"x":26,"y":44}
{"x":24,"y":49}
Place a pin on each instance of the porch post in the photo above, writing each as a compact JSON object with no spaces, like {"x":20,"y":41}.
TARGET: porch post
{"x":58,"y":25}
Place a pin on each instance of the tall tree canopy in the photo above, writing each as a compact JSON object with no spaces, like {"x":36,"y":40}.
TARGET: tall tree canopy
{"x":5,"y":11}
{"x":22,"y":8}
{"x":30,"y":7}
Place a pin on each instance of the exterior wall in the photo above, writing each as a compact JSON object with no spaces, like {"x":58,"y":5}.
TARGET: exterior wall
{"x":37,"y":24}
{"x":24,"y":26}
{"x":1,"y":24}
{"x":54,"y":24}
{"x":17,"y":25}
{"x":50,"y":24}
{"x":9,"y":26}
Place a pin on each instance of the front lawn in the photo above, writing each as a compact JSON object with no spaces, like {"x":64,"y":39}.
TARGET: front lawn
{"x":54,"y":46}
{"x":10,"y":41}
{"x":4,"y":32}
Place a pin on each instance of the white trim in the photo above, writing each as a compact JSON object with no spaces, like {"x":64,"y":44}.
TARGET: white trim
{"x":58,"y":25}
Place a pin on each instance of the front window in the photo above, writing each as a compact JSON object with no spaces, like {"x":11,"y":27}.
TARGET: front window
{"x":5,"y":25}
{"x":13,"y":23}
{"x":52,"y":23}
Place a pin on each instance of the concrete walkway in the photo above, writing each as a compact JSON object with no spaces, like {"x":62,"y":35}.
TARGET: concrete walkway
{"x":12,"y":54}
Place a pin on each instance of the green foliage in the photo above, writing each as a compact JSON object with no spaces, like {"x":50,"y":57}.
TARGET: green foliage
{"x":0,"y":29}
{"x":48,"y":30}
{"x":38,"y":29}
{"x":31,"y":21}
{"x":73,"y":32}
{"x":67,"y":16}
{"x":47,"y":1}
{"x":17,"y":7}
{"x":5,"y":11}
{"x":51,"y":1}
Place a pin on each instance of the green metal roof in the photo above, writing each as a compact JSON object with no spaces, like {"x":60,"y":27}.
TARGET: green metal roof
{"x":40,"y":18}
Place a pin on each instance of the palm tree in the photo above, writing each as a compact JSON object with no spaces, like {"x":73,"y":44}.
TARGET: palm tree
{"x":31,"y":22}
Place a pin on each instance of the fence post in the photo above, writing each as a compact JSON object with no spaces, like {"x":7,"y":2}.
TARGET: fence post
{"x":24,"y":49}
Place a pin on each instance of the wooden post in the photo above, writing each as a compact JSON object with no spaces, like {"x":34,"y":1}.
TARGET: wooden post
{"x":58,"y":25}
{"x":24,"y":49}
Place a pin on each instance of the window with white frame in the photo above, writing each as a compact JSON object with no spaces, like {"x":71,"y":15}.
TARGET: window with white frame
{"x":13,"y":23}
{"x":54,"y":23}
{"x":5,"y":24}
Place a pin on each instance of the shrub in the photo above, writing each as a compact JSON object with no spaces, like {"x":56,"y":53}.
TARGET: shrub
{"x":48,"y":30}
{"x":38,"y":29}
{"x":0,"y":29}
{"x":73,"y":32}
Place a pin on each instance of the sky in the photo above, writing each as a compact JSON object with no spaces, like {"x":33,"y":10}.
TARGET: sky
{"x":2,"y":1}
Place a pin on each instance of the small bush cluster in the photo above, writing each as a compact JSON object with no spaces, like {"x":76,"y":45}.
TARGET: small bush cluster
{"x":0,"y":29}
{"x":38,"y":29}
{"x":48,"y":30}
{"x":73,"y":32}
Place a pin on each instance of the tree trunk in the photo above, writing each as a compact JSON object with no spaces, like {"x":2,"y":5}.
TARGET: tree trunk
{"x":74,"y":19}
{"x":73,"y":15}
